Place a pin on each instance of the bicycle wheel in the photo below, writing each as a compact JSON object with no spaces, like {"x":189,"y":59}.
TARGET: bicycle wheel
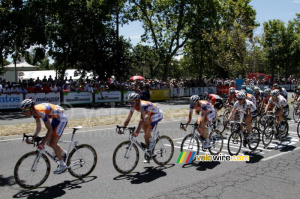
{"x":216,"y":139}
{"x":31,"y":171}
{"x":190,"y":143}
{"x":254,"y":141}
{"x":268,"y":133}
{"x":126,"y":157}
{"x":283,"y":133}
{"x":163,"y":150}
{"x":296,"y":114}
{"x":298,"y":130}
{"x":234,"y":143}
{"x":82,"y":161}
{"x":225,"y":119}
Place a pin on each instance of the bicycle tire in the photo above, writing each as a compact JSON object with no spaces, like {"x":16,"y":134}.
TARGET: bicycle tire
{"x":296,"y":114}
{"x":283,"y":134}
{"x":254,"y":141}
{"x":85,"y":154}
{"x":225,"y":119}
{"x":193,"y":145}
{"x":268,"y":133}
{"x":27,"y":182}
{"x":234,"y":143}
{"x":163,"y":154}
{"x":119,"y":166}
{"x":298,"y":130}
{"x":262,"y":121}
{"x":216,"y":139}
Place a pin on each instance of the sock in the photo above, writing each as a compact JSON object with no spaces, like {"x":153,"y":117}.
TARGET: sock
{"x":207,"y":139}
{"x":64,"y":152}
{"x":62,"y":163}
{"x":151,"y":139}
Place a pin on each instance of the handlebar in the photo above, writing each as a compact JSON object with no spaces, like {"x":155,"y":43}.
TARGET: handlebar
{"x":194,"y":125}
{"x":120,"y":131}
{"x":36,"y":140}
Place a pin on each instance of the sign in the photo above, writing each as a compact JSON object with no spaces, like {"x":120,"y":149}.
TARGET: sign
{"x":10,"y":101}
{"x":178,"y":92}
{"x":211,"y":90}
{"x":107,"y":96}
{"x":156,"y":95}
{"x":53,"y":98}
{"x":77,"y":98}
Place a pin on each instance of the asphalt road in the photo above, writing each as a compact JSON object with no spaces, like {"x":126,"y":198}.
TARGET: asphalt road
{"x":270,"y":173}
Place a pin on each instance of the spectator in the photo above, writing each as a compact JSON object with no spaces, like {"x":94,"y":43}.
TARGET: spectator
{"x":46,"y":87}
{"x":23,"y":89}
{"x":6,"y":89}
{"x":45,"y":79}
{"x":14,"y":89}
{"x":37,"y":88}
{"x":30,"y":88}
{"x":50,"y":80}
{"x":53,"y":88}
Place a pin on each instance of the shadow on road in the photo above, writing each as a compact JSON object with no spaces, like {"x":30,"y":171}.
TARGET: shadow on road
{"x":55,"y":191}
{"x":254,"y":156}
{"x":6,"y":181}
{"x":149,"y":175}
{"x":202,"y":166}
{"x":11,"y":115}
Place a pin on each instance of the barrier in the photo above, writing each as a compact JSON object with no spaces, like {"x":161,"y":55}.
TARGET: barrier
{"x":11,"y":101}
{"x":77,"y":98}
{"x":107,"y":96}
{"x":53,"y":98}
{"x":157,"y":95}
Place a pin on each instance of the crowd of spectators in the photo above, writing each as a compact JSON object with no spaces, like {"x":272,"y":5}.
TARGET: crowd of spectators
{"x":51,"y":84}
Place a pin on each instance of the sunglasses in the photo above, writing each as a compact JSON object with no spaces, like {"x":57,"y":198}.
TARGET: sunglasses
{"x":132,"y":102}
{"x":25,"y":110}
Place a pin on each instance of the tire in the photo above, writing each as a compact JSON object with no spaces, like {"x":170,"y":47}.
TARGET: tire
{"x":268,"y":133}
{"x":84,"y":159}
{"x":163,"y":150}
{"x":298,"y":130}
{"x":254,"y":141}
{"x":225,"y":119}
{"x":296,"y":114}
{"x":190,"y":143}
{"x":234,"y":143}
{"x":23,"y":174}
{"x":283,"y":134}
{"x":216,"y":141}
{"x":262,"y":121}
{"x":122,"y":164}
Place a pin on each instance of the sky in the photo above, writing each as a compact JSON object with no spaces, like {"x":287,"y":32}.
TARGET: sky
{"x":284,"y":10}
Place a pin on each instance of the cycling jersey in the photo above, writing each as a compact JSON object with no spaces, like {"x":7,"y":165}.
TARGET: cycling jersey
{"x":215,"y":98}
{"x":283,"y":92}
{"x":206,"y":106}
{"x":251,"y":98}
{"x":232,"y":99}
{"x":59,"y":121}
{"x":247,"y":104}
{"x":281,"y":101}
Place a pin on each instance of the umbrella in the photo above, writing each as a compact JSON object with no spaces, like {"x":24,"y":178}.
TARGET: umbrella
{"x":136,"y":77}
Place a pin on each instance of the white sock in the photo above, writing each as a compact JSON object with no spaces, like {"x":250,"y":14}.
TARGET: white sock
{"x":64,"y":152}
{"x":207,"y":139}
{"x":62,"y":163}
{"x":151,"y":139}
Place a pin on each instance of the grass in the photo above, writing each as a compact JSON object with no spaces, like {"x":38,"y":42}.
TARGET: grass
{"x":19,"y":129}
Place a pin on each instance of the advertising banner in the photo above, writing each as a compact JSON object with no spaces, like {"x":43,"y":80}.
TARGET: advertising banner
{"x":196,"y":91}
{"x":211,"y":90}
{"x":77,"y":98}
{"x":53,"y":98}
{"x":107,"y":96}
{"x":186,"y":92}
{"x":178,"y":92}
{"x":157,"y":95}
{"x":10,"y":101}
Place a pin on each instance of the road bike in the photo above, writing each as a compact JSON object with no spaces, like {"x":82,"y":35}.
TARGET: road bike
{"x":191,"y":142}
{"x":296,"y":112}
{"x":271,"y":130}
{"x":238,"y":138}
{"x":33,"y":168}
{"x":126,"y":155}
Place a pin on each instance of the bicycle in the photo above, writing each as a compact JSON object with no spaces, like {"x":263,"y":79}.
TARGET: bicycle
{"x":238,"y":137}
{"x":33,"y":168}
{"x":296,"y":112}
{"x":271,"y":129}
{"x":126,"y":154}
{"x":191,"y":141}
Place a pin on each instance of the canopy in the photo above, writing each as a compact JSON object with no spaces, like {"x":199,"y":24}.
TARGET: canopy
{"x":136,"y":77}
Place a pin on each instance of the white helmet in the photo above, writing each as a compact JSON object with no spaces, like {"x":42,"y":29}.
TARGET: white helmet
{"x":194,"y":99}
{"x":231,"y":90}
{"x":267,"y":91}
{"x":27,"y":103}
{"x":134,"y":96}
{"x":274,"y":93}
{"x":256,"y":88}
{"x":241,"y":95}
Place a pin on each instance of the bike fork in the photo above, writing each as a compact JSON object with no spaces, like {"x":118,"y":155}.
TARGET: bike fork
{"x":36,"y":161}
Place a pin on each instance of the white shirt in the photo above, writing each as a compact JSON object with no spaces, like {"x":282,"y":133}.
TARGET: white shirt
{"x":6,"y":90}
{"x":247,"y":104}
{"x":281,"y":101}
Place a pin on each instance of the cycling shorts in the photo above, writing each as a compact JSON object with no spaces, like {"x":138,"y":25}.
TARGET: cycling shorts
{"x":58,"y":127}
{"x":155,"y":118}
{"x":210,"y":117}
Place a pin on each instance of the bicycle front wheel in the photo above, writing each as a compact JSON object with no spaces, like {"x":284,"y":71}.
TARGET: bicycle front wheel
{"x":298,"y":129}
{"x":234,"y":143}
{"x":216,"y":139}
{"x":126,"y":157}
{"x":254,"y":141}
{"x":82,"y":161}
{"x":31,"y":171}
{"x":296,"y":114}
{"x":190,"y":143}
{"x":268,"y":133}
{"x":163,"y":150}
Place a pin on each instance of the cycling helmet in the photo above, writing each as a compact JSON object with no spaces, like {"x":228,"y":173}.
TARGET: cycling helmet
{"x":256,"y":88}
{"x":241,"y":95}
{"x":267,"y":91}
{"x":231,"y":90}
{"x":205,"y":96}
{"x":275,"y":93}
{"x":243,"y":87}
{"x":134,"y":96}
{"x":275,"y":85}
{"x":27,"y":103}
{"x":194,"y":99}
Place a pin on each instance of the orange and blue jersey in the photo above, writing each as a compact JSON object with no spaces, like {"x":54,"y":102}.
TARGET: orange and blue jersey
{"x":148,"y":107}
{"x":46,"y":111}
{"x":251,"y":98}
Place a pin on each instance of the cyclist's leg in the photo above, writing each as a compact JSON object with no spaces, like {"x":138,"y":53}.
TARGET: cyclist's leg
{"x":150,"y":123}
{"x":58,"y":129}
{"x":248,"y":119}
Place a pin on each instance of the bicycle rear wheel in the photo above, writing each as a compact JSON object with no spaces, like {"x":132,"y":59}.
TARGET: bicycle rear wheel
{"x":296,"y":114}
{"x":82,"y":161}
{"x":163,"y":150}
{"x":234,"y":143}
{"x":126,"y":157}
{"x":31,"y":171}
{"x":298,"y":130}
{"x":262,"y":122}
{"x":216,"y":139}
{"x":283,"y":133}
{"x":254,"y":141}
{"x":190,"y":143}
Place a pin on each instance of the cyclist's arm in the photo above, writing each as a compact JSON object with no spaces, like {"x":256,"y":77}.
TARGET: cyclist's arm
{"x":267,"y":107}
{"x":38,"y":127}
{"x":142,"y":120}
{"x":128,"y":118}
{"x":232,"y":113}
{"x":189,"y":118}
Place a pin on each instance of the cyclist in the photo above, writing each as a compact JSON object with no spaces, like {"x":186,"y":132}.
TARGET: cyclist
{"x":215,"y":100}
{"x":232,"y":96}
{"x":296,"y":94}
{"x":283,"y":92}
{"x":154,"y":115}
{"x":251,"y":98}
{"x":55,"y":129}
{"x":281,"y":105}
{"x":266,"y":97}
{"x":258,"y":94}
{"x":249,"y":109}
{"x":207,"y":115}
